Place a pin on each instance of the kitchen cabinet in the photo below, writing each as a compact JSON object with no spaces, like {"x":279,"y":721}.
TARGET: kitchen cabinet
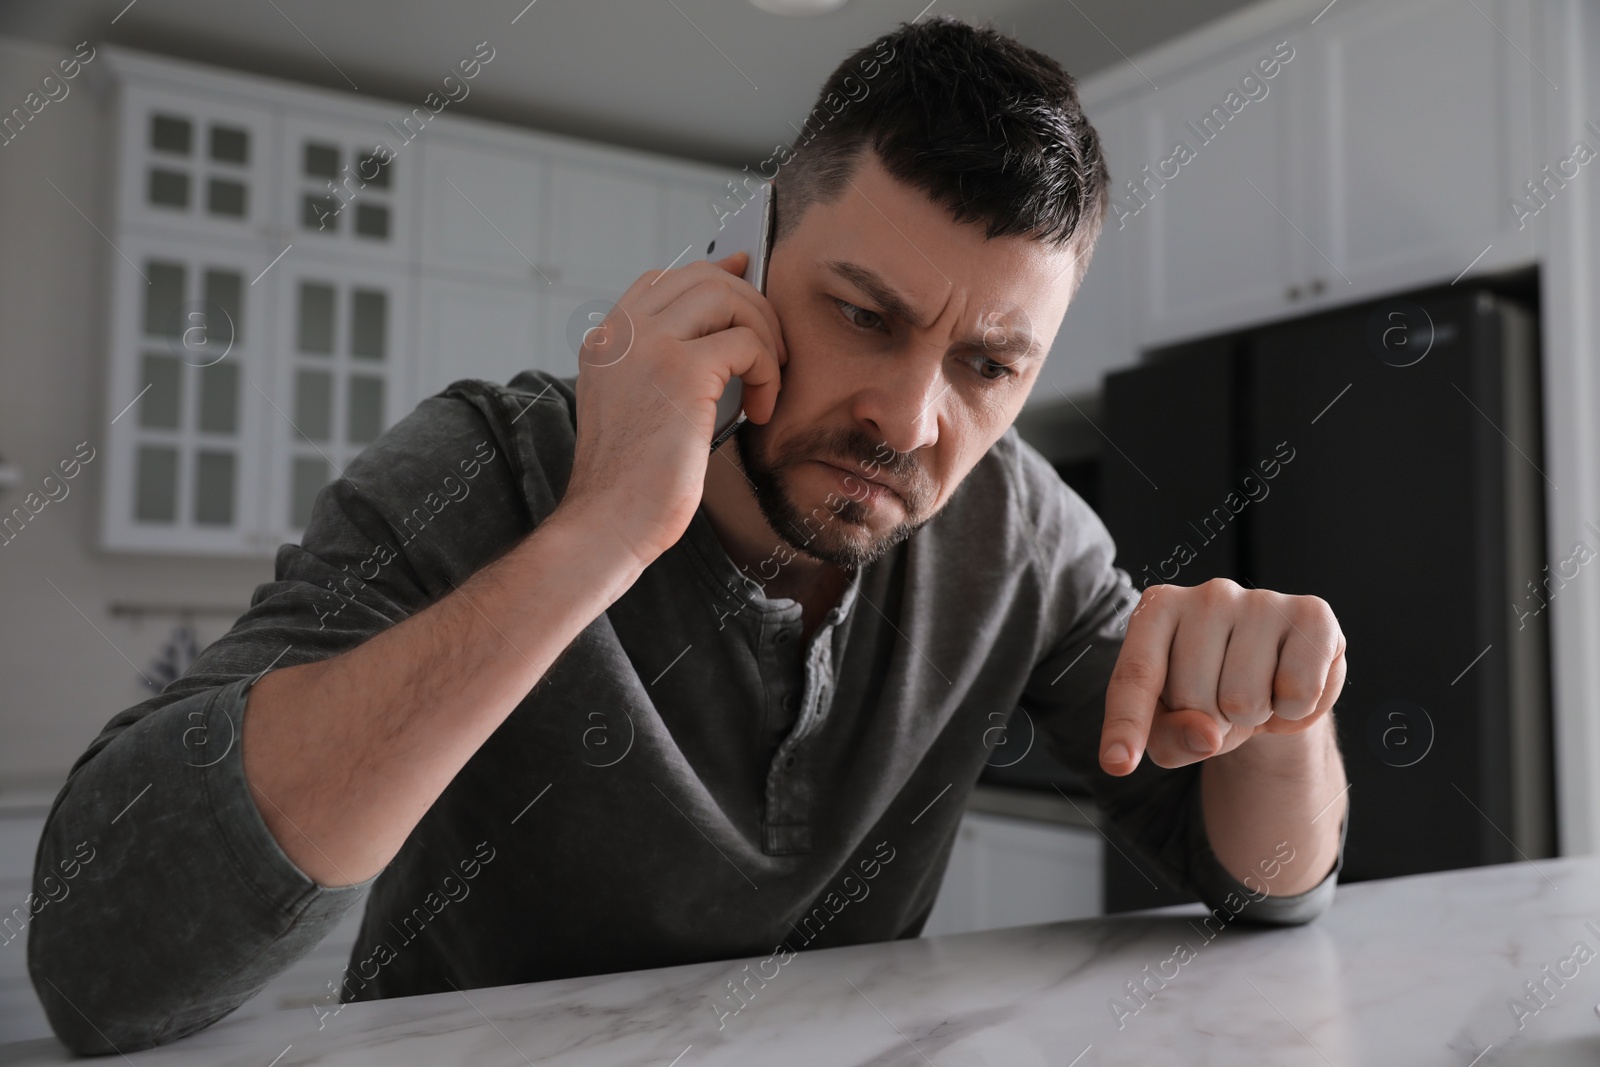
{"x":604,"y":228}
{"x":1386,"y":152}
{"x":343,"y":343}
{"x":194,"y":164}
{"x":189,"y":343}
{"x":481,"y":212}
{"x":1416,"y":152}
{"x":346,"y":187}
{"x":1217,"y":222}
{"x":482,"y":329}
{"x":1007,"y":871}
{"x":299,"y":268}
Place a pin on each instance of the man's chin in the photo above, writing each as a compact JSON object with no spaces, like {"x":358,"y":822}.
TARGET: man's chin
{"x":822,"y":512}
{"x":846,"y":534}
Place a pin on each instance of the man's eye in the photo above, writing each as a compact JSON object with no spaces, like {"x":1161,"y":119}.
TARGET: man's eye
{"x":985,"y":366}
{"x":851,"y":312}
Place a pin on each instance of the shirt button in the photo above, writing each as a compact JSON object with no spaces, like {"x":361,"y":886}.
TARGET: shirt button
{"x":782,"y":637}
{"x":790,"y":703}
{"x":789,"y":762}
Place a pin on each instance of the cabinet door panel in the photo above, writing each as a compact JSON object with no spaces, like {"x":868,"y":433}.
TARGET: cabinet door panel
{"x":1013,"y":872}
{"x":1421,"y":110}
{"x":479,"y":330}
{"x":1220,"y":228}
{"x":342,"y":367}
{"x":604,"y":229}
{"x":187,"y":349}
{"x":347,"y":188}
{"x":195,"y":165}
{"x":481,"y":210}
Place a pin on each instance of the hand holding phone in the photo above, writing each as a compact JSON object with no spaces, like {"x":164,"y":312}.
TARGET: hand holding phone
{"x":748,"y":230}
{"x":688,"y":336}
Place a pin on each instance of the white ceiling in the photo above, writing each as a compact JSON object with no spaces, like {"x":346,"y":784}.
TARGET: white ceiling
{"x":716,"y":80}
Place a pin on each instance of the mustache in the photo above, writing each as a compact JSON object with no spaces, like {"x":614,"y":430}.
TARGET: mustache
{"x":860,"y":454}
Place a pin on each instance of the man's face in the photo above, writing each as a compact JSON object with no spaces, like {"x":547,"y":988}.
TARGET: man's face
{"x":913,"y":342}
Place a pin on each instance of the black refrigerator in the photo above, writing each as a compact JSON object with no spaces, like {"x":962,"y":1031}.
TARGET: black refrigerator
{"x":1385,"y":457}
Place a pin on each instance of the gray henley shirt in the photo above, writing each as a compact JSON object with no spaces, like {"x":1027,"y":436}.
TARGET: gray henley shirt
{"x":689,"y":781}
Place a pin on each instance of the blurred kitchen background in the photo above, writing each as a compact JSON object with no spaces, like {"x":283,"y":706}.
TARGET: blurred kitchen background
{"x":1343,"y":344}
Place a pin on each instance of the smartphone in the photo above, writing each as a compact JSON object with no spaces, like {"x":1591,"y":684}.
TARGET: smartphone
{"x":747,"y":230}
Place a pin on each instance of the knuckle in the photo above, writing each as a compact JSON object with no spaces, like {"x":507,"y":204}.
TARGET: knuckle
{"x":1220,"y":592}
{"x":1296,"y":689}
{"x":1236,"y":703}
{"x":1313,"y":617}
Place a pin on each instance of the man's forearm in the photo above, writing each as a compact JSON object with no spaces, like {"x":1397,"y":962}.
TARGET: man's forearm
{"x":1271,"y":789}
{"x":344,"y":756}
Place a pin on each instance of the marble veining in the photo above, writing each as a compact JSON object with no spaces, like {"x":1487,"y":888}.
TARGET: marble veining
{"x":1411,"y":971}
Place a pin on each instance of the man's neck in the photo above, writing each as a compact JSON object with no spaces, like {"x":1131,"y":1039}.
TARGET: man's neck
{"x":738,"y":522}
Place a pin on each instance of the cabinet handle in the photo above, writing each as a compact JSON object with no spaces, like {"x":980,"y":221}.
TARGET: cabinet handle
{"x":1293,"y":293}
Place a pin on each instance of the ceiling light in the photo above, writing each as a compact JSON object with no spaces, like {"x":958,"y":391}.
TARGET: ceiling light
{"x":798,"y":7}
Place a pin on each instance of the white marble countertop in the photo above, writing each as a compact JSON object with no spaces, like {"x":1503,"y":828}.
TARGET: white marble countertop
{"x":1411,"y":971}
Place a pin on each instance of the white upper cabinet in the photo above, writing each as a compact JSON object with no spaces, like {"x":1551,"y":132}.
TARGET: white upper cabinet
{"x":343,"y":348}
{"x":308,"y":266}
{"x":196,"y":164}
{"x":1216,"y":209}
{"x":482,"y":329}
{"x":604,"y":227}
{"x":190,"y":338}
{"x":483,"y":209}
{"x":1096,"y":335}
{"x":1383,"y":153}
{"x":1421,"y":112}
{"x":347,"y":187}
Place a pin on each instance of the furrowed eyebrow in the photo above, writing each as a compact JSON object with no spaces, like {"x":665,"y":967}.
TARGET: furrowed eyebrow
{"x":881,"y":292}
{"x":1020,"y":344}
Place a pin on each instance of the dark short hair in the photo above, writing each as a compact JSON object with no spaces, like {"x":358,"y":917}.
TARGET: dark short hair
{"x":987,"y":127}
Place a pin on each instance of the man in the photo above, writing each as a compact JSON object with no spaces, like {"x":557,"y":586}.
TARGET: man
{"x":561,"y":692}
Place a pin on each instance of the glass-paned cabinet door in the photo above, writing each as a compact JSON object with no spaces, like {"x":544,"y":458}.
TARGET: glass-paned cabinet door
{"x":194,"y":163}
{"x":185,"y":417}
{"x":343,"y":368}
{"x":348,"y":185}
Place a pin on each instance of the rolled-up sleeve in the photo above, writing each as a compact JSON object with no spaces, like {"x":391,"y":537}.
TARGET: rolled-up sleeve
{"x":1086,"y":607}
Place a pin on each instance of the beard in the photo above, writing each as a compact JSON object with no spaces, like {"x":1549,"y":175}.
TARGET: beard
{"x":842,"y":534}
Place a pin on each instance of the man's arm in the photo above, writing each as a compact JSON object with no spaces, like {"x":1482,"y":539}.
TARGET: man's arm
{"x":219,"y":871}
{"x":1210,"y":671}
{"x":344,"y":756}
{"x":1220,"y":826}
{"x":1277,"y":788}
{"x":170,"y":901}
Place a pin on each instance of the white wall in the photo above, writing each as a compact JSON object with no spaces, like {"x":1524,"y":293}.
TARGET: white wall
{"x":60,"y":681}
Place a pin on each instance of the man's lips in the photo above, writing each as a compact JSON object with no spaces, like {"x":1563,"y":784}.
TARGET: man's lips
{"x":885,"y":486}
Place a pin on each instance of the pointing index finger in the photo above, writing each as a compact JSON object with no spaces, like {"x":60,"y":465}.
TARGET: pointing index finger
{"x":1136,"y":684}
